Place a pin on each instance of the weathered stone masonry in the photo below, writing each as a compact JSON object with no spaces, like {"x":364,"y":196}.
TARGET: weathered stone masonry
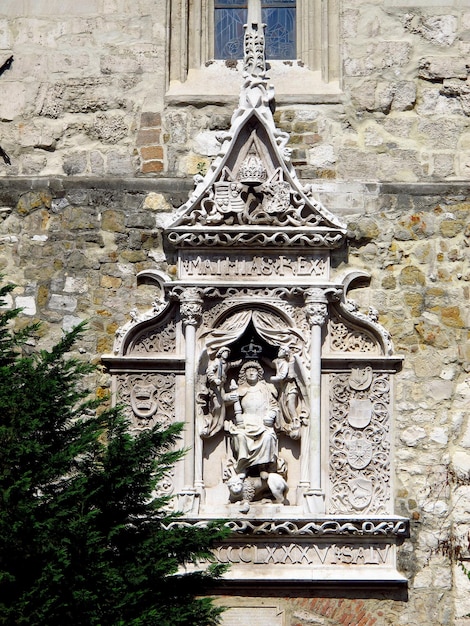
{"x":102,"y":154}
{"x":74,"y":249}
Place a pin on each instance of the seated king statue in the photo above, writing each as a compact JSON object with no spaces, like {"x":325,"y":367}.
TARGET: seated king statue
{"x":252,"y":436}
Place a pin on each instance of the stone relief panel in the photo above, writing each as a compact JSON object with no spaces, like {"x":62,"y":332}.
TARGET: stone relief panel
{"x":157,"y":339}
{"x":239,"y":266}
{"x":252,"y":197}
{"x":252,"y":389}
{"x":301,"y":553}
{"x":253,"y":324}
{"x":148,"y":398}
{"x":359,"y":440}
{"x":344,"y":338}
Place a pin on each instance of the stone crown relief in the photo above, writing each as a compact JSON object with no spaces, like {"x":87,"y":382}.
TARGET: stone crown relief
{"x":285,"y":387}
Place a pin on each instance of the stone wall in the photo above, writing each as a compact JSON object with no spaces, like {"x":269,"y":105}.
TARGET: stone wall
{"x":100,"y":160}
{"x":74,"y":247}
{"x":88,"y":76}
{"x":82,"y":76}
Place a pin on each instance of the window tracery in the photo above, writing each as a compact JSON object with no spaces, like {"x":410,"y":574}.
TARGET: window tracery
{"x":279,"y":17}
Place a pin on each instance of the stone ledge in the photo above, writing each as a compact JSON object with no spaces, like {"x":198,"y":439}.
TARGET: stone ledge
{"x":393,"y":526}
{"x":326,"y":550}
{"x":63,"y":183}
{"x":168,"y":184}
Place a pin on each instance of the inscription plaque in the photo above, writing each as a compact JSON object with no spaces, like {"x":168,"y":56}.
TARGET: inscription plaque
{"x":241,"y":266}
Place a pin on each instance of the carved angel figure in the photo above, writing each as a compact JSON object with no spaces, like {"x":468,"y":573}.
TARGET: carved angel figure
{"x":292,"y":398}
{"x":216,"y":375}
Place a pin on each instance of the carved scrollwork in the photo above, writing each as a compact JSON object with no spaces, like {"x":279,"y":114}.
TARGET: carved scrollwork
{"x":252,"y":239}
{"x":161,"y":338}
{"x":308,"y":528}
{"x":148,"y":398}
{"x":359,"y":445}
{"x":236,"y":293}
{"x":346,"y":339}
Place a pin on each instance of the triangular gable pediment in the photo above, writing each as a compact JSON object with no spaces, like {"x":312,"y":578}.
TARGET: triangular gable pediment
{"x":252,"y":184}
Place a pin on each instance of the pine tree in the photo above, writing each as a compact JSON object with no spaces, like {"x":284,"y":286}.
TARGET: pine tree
{"x":83,"y":539}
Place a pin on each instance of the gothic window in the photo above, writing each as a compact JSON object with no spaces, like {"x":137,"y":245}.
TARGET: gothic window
{"x":302,"y":45}
{"x":279,"y":17}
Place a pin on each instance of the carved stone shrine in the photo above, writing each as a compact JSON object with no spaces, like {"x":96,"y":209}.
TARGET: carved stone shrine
{"x":284,"y":385}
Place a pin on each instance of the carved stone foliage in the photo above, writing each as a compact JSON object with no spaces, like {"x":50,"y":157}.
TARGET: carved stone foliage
{"x":344,"y":338}
{"x":273,"y":238}
{"x":252,"y":386}
{"x":161,"y":338}
{"x":359,"y":464}
{"x":339,"y":527}
{"x":148,"y":398}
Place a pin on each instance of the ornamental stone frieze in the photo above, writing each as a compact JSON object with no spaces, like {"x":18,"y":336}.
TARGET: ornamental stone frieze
{"x":285,"y":386}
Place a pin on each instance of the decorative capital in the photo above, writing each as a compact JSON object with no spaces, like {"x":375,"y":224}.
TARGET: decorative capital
{"x":316,"y":306}
{"x":191,"y":306}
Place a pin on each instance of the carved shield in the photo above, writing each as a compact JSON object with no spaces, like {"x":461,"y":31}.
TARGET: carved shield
{"x":360,"y":494}
{"x":360,"y":377}
{"x":360,"y":413}
{"x":227,"y":197}
{"x":143,"y":401}
{"x":359,"y":452}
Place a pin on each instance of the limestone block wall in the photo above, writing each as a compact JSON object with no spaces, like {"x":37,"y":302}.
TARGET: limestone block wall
{"x":85,"y":94}
{"x":74,"y":247}
{"x":101,"y":157}
{"x":85,"y":77}
{"x":401,"y":113}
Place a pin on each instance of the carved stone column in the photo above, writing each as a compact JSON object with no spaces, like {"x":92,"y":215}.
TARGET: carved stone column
{"x":316,"y":309}
{"x":191,"y":311}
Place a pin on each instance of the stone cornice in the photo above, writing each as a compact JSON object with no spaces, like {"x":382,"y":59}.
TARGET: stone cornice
{"x":327,"y":527}
{"x":173,"y":184}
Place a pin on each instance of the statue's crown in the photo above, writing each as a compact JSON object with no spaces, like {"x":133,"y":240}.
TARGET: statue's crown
{"x":252,"y":350}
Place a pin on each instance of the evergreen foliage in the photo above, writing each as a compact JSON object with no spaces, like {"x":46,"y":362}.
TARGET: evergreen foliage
{"x":82,"y":542}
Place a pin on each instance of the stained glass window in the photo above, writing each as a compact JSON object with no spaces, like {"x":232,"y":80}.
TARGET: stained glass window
{"x":279,"y":17}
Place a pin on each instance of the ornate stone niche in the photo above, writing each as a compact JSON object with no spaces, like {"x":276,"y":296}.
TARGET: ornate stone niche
{"x":285,"y":387}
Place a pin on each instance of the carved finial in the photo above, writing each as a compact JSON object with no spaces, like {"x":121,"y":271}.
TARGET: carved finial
{"x":254,"y":63}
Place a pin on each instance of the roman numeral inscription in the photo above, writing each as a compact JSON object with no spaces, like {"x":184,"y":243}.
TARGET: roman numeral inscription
{"x":305,"y":554}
